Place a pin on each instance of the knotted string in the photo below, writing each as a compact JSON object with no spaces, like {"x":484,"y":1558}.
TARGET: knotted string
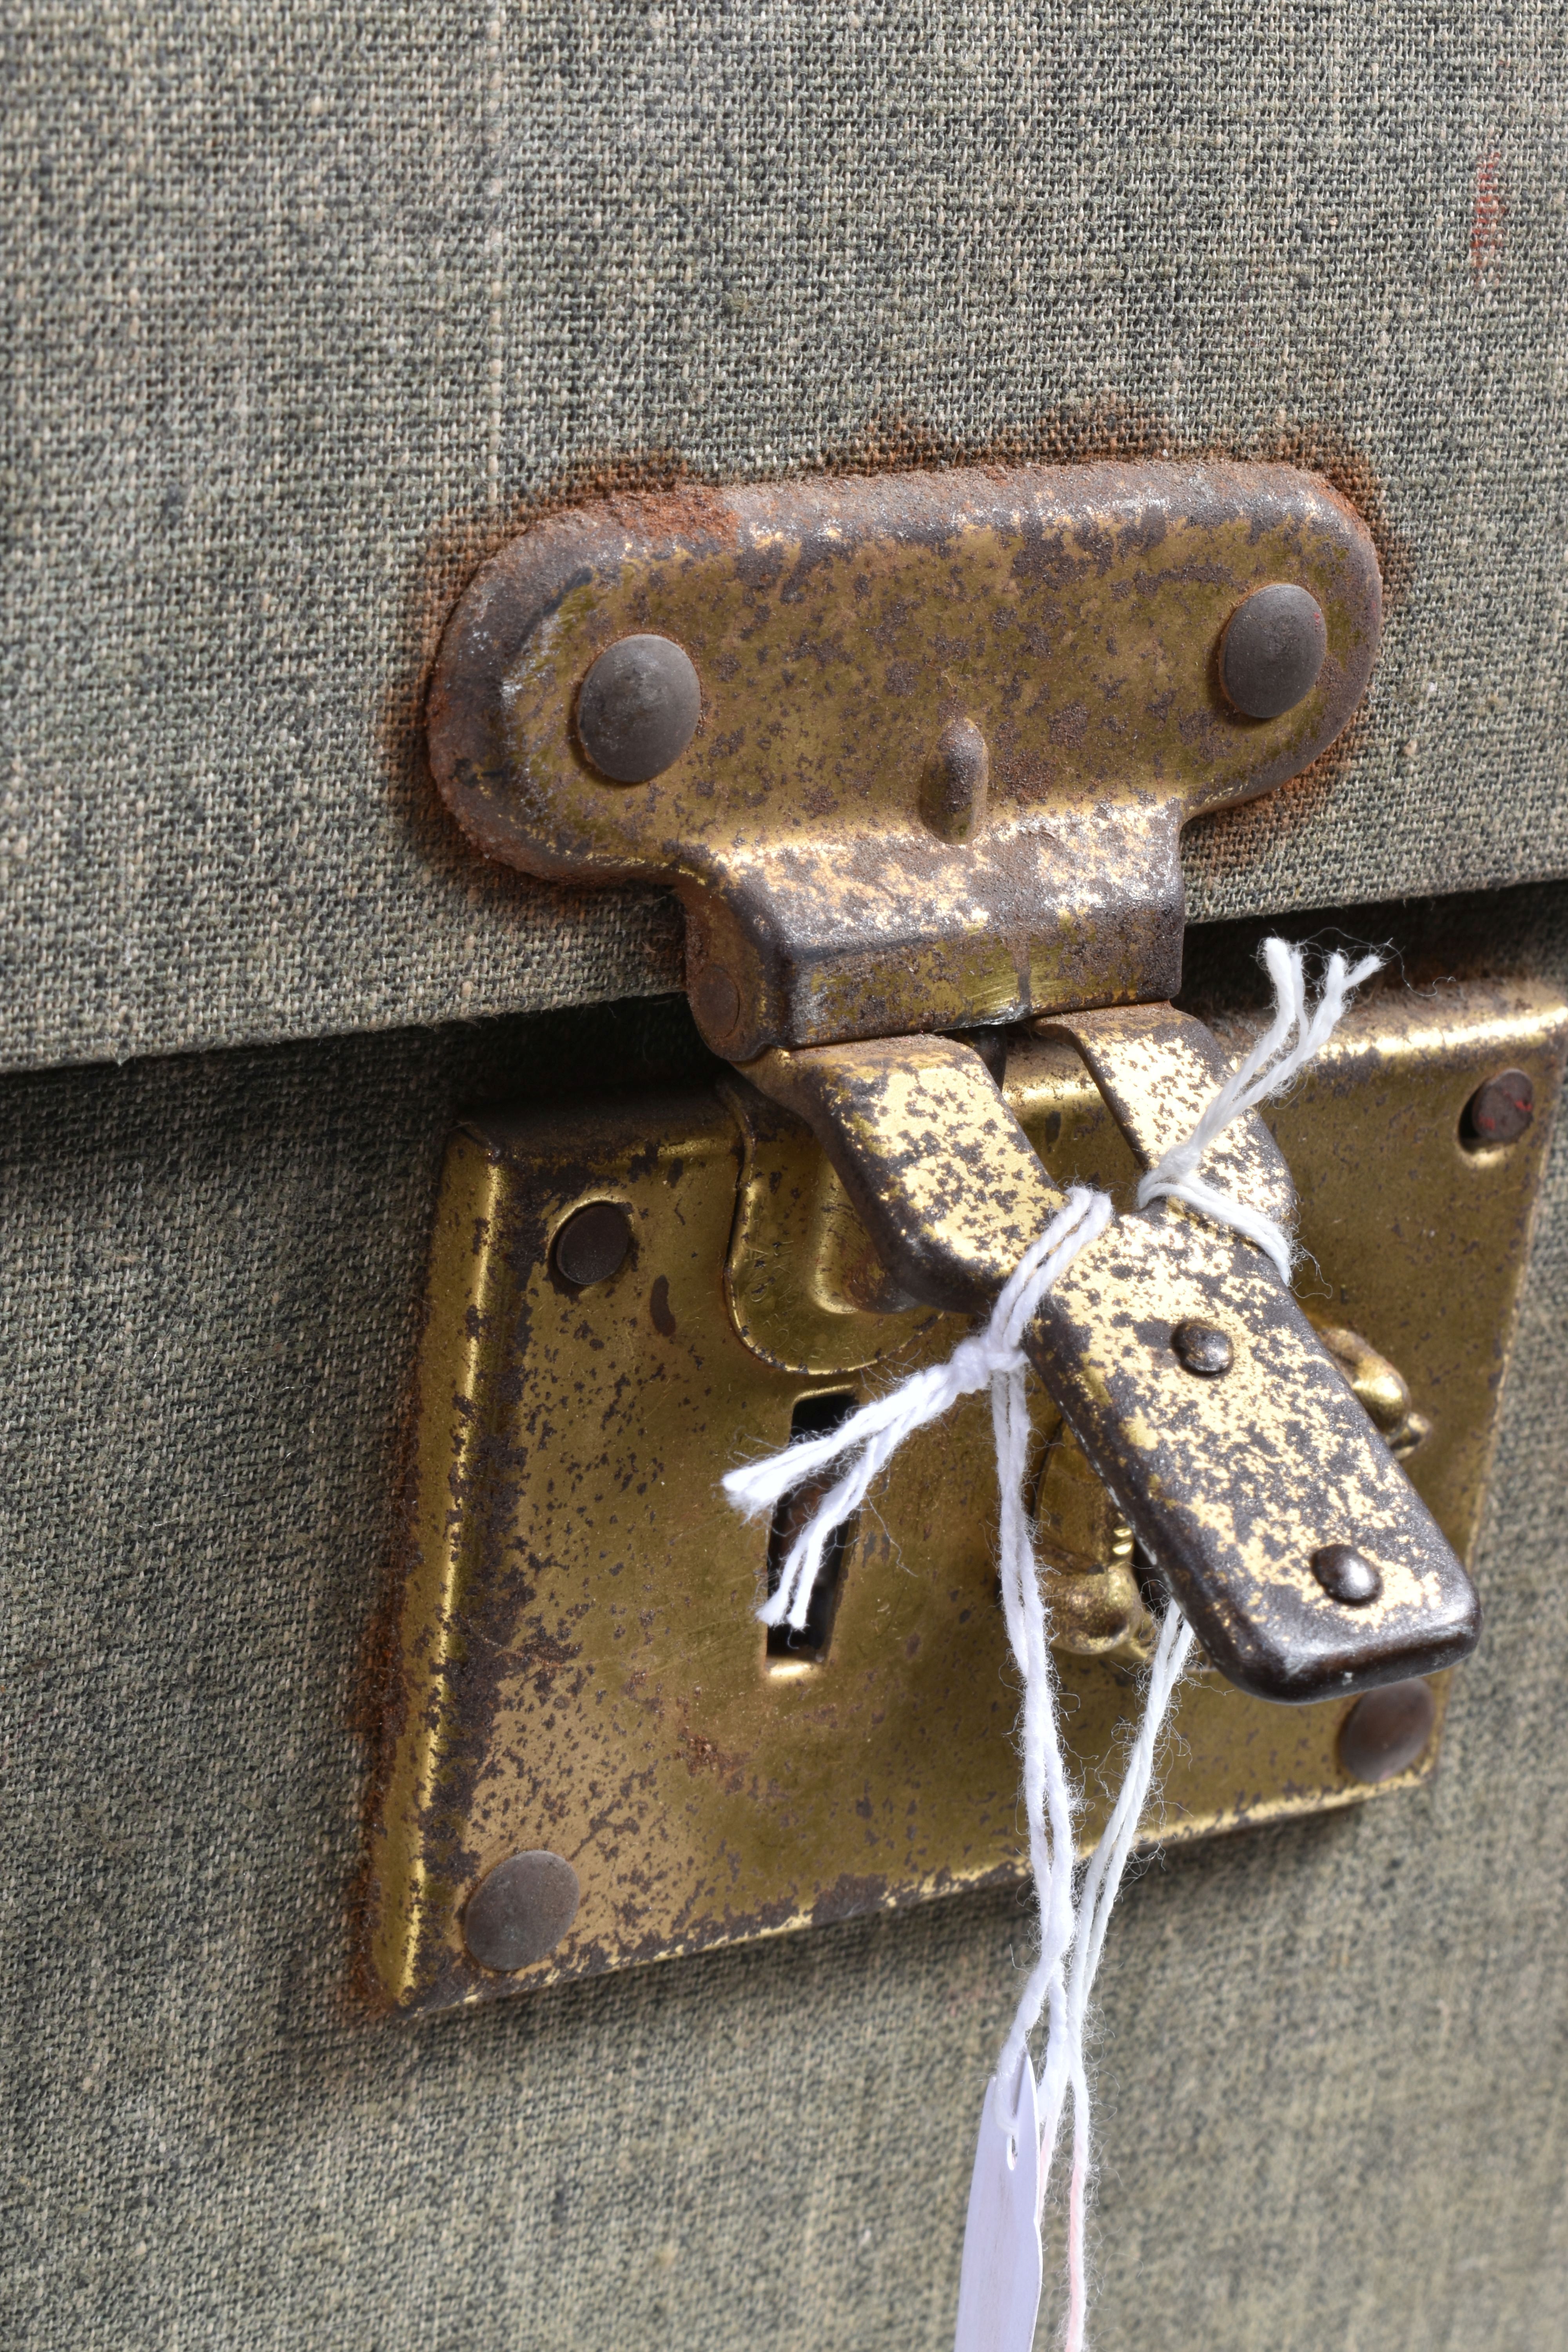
{"x":1071,"y":1931}
{"x":1295,"y":1035}
{"x":874,"y":1435}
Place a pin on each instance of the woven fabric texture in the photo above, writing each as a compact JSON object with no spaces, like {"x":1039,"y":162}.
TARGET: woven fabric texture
{"x":307,"y":306}
{"x":1334,"y":2099}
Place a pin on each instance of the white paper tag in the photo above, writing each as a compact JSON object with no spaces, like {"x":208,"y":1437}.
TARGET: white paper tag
{"x":999,"y":2285}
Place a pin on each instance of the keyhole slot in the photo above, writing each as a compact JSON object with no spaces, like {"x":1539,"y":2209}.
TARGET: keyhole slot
{"x":788,"y":1651}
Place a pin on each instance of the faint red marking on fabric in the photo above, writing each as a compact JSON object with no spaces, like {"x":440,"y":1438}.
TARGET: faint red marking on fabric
{"x":1491,"y":211}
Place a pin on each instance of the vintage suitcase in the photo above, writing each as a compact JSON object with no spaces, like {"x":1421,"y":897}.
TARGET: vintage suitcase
{"x":312,"y":316}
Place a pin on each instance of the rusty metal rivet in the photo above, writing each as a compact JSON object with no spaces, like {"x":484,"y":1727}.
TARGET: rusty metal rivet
{"x":1385,"y":1731}
{"x":1272,"y":650}
{"x":638,"y":708}
{"x":1347,"y":1575}
{"x":1501,"y":1110}
{"x":716,"y":1000}
{"x":1203,"y":1348}
{"x":520,"y":1910}
{"x":953,"y":800}
{"x":593,"y":1244}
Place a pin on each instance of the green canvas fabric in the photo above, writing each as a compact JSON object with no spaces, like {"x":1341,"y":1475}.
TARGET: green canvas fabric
{"x":308,"y":307}
{"x":1334,"y":2102}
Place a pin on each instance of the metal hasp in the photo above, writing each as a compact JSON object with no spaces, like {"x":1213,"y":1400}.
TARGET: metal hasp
{"x":915,"y":750}
{"x":594,"y":1756}
{"x":952,"y":723}
{"x":1235,"y":1472}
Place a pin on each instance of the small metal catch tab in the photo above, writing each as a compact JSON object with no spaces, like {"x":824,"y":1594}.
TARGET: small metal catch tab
{"x":915,"y":751}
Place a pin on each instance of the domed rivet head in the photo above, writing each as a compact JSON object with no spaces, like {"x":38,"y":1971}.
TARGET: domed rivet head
{"x":519,"y":1911}
{"x":593,"y":1244}
{"x":716,"y":1002}
{"x":1347,"y":1575}
{"x":1385,"y":1731}
{"x":1272,"y":650}
{"x":952,"y":799}
{"x":638,"y":708}
{"x":1203,"y":1348}
{"x":1500,"y":1110}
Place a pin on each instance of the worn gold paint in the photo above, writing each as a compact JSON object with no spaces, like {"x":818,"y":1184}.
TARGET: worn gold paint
{"x":469,"y":1275}
{"x":579,"y":1665}
{"x":840,"y":628}
{"x":1158,"y":1070}
{"x":805,"y":1289}
{"x":1231,"y":1485}
{"x":946,"y":1180}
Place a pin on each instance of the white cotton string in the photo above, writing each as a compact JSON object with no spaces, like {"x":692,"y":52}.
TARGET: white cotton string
{"x":1048,"y":1793}
{"x":1292,"y":1039}
{"x":1095,"y":1900}
{"x":871,"y":1436}
{"x":1072,"y":1933}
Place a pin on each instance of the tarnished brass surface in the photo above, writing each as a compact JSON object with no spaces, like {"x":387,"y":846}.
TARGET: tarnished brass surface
{"x":805,"y":1285}
{"x":1085,"y":1553}
{"x":1378,"y":1387}
{"x":577,"y":1666}
{"x":1232,"y":1483}
{"x":1159,"y":1069}
{"x":946,"y":1182}
{"x":951,"y":725}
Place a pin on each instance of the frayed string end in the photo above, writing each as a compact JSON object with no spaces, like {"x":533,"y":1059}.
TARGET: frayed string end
{"x":1296,"y":1035}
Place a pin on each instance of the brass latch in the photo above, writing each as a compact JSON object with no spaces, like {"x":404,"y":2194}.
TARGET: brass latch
{"x":915,"y":753}
{"x":915,"y":750}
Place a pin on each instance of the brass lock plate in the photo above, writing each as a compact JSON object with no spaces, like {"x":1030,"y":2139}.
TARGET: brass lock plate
{"x":578,"y":1669}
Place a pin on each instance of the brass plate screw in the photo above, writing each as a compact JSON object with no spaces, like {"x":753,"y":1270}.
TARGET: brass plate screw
{"x":520,"y":1911}
{"x":1385,"y":1731}
{"x":1500,"y":1110}
{"x":593,"y":1244}
{"x":638,"y":708}
{"x":1272,"y":650}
